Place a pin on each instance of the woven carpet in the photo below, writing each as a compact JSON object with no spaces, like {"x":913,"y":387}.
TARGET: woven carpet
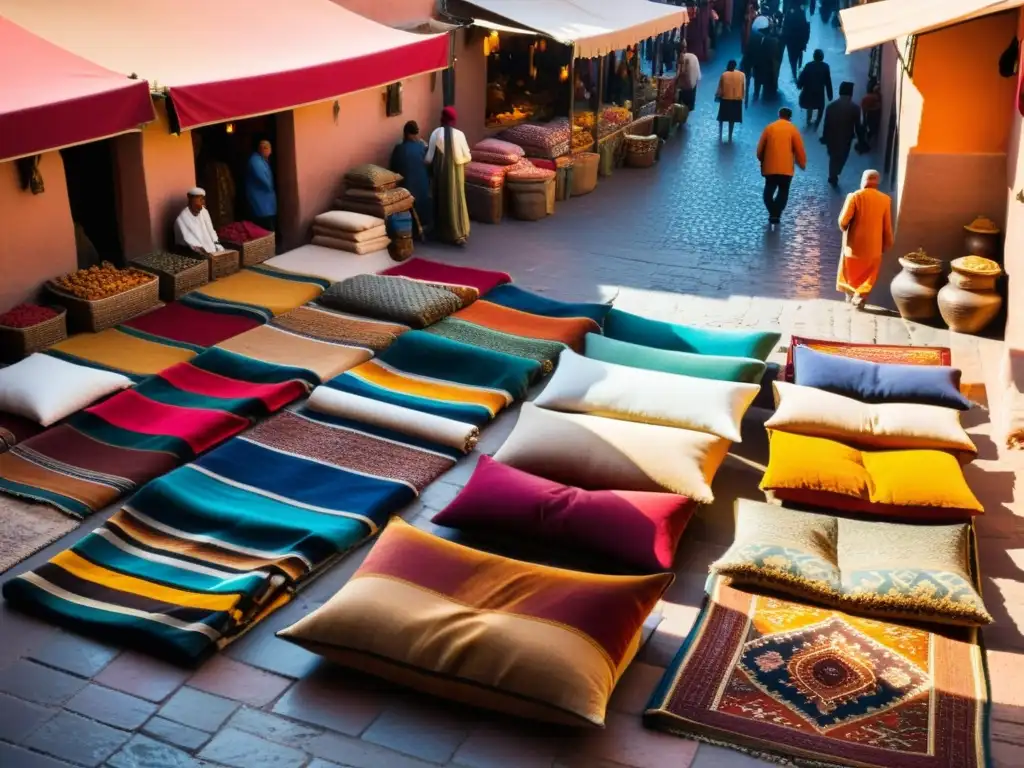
{"x":203,"y":553}
{"x":317,"y":322}
{"x":480,"y":281}
{"x":188,"y":326}
{"x":875,"y":353}
{"x":259,"y":291}
{"x":110,"y":449}
{"x":25,"y":528}
{"x":281,"y":346}
{"x":543,"y":351}
{"x":514,"y":297}
{"x":394,"y":299}
{"x":816,"y":687}
{"x":123,"y":351}
{"x":566,"y":330}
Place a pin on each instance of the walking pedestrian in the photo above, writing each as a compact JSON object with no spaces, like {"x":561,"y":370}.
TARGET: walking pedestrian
{"x":772,"y":49}
{"x":447,"y":153}
{"x":779,"y":150}
{"x":732,"y":90}
{"x":871,"y":109}
{"x":796,"y":32}
{"x":815,"y":84}
{"x":842,"y":126}
{"x":866,"y":223}
{"x":408,"y":160}
{"x":689,"y":77}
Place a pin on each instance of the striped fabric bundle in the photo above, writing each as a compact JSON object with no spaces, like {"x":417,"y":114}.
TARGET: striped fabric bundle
{"x":280,"y":346}
{"x":261,"y":291}
{"x":544,"y":352}
{"x":432,"y":374}
{"x":569,"y":331}
{"x":189,"y":327}
{"x":514,"y":297}
{"x":123,"y":351}
{"x":201,"y":554}
{"x":110,"y":449}
{"x":317,"y":322}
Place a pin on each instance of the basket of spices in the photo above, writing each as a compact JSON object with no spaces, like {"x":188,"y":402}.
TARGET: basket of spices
{"x":101,"y":297}
{"x":30,"y":328}
{"x":254,"y":244}
{"x":641,"y":151}
{"x":177,"y":274}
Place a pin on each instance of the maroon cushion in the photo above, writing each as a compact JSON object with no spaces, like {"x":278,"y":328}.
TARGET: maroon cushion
{"x":639,"y":529}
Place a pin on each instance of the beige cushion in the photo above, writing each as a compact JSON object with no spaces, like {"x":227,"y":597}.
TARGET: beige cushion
{"x":817,"y":413}
{"x":355,"y":237}
{"x":348,"y":221}
{"x":369,"y":246}
{"x":46,"y":389}
{"x":584,"y":385}
{"x":330,"y":263}
{"x":597,"y":453}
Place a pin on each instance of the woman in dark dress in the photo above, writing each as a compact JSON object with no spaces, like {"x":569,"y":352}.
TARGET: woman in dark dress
{"x":408,"y":160}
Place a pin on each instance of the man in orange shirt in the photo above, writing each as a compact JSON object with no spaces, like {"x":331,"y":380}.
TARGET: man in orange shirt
{"x":779,"y":150}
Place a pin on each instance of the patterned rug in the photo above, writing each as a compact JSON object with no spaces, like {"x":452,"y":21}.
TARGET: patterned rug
{"x":816,"y":687}
{"x":875,"y":353}
{"x":25,"y":528}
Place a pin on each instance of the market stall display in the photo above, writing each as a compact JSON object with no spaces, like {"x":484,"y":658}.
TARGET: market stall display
{"x":102,"y":296}
{"x":177,"y":274}
{"x":253,"y":243}
{"x":29,"y":328}
{"x":548,"y":140}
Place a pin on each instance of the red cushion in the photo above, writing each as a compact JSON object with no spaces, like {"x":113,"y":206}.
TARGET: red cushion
{"x":638,"y":529}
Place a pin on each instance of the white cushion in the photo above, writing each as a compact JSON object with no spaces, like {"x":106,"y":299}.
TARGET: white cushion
{"x":817,"y":413}
{"x":348,"y":221}
{"x":46,"y":389}
{"x":584,"y":385}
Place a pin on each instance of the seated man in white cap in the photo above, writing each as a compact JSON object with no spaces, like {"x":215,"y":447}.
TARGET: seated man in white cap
{"x":193,"y":228}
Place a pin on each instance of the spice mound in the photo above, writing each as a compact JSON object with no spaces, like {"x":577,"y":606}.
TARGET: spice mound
{"x":976,"y":265}
{"x":102,"y":282}
{"x":921,"y":258}
{"x":982,"y":225}
{"x":27,"y":315}
{"x":170,"y":263}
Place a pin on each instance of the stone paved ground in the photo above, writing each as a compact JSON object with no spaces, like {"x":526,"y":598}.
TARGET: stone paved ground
{"x":685,"y":241}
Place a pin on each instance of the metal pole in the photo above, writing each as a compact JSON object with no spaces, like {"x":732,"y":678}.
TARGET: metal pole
{"x":600,"y":96}
{"x":572,"y":92}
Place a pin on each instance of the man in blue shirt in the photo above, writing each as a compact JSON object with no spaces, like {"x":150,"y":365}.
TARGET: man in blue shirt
{"x":259,"y":188}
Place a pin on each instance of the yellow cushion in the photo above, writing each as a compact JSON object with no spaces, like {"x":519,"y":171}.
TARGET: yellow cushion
{"x":902,"y":483}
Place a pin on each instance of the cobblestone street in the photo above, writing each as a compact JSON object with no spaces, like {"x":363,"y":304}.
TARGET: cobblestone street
{"x":687,"y":241}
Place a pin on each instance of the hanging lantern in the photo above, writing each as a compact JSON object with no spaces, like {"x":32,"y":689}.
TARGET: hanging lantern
{"x":487,"y":47}
{"x":563,"y":75}
{"x":229,"y":128}
{"x":543,"y":44}
{"x":495,"y":40}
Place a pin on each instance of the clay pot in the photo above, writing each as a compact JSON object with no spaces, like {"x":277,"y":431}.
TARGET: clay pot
{"x":969,"y":301}
{"x":914,"y":289}
{"x":983,"y":238}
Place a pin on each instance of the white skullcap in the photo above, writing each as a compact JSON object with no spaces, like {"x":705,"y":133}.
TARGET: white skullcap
{"x":759,"y":23}
{"x":197,"y":192}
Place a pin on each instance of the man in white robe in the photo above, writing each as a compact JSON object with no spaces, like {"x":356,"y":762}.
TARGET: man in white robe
{"x":193,"y":228}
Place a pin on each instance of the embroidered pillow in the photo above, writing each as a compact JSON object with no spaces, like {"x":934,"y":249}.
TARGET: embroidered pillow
{"x":639,"y":529}
{"x":498,"y":147}
{"x":741,"y":369}
{"x":596,"y":453}
{"x":46,"y":389}
{"x":683,"y":338}
{"x":886,"y":570}
{"x":528,"y":640}
{"x":879,"y":382}
{"x":809,"y":411}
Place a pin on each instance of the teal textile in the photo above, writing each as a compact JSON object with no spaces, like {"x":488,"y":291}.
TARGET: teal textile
{"x":626,"y":326}
{"x":514,"y":297}
{"x":742,"y":369}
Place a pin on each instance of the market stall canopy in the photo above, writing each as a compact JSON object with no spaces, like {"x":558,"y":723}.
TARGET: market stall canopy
{"x":593,"y":27}
{"x":51,"y":98}
{"x":231,"y":59}
{"x":866,"y":26}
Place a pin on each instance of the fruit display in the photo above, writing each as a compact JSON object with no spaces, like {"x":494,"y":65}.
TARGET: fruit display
{"x":517,"y":114}
{"x":612,"y":119}
{"x":584,"y":120}
{"x":581,"y":139}
{"x":102,"y":282}
{"x":27,"y":315}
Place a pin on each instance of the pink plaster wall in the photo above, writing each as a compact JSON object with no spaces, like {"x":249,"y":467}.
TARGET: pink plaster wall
{"x":37,"y":236}
{"x":132,"y":199}
{"x":170,"y":172}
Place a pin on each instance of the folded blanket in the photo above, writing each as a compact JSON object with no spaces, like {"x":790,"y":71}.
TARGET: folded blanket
{"x":514,"y":297}
{"x":427,"y":270}
{"x":337,"y":233}
{"x":318,"y":322}
{"x":263,"y":289}
{"x":544,"y":352}
{"x":392,"y":298}
{"x":367,"y":246}
{"x":1013,"y":397}
{"x":283,"y":346}
{"x":190,"y":326}
{"x":569,"y":330}
{"x":406,"y":421}
{"x":370,"y":208}
{"x":382,"y":196}
{"x":122,"y":351}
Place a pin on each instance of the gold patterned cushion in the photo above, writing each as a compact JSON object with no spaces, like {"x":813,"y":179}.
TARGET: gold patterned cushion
{"x":888,"y":570}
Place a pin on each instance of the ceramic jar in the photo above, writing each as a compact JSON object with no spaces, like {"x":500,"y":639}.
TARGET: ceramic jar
{"x":914,"y":289}
{"x":969,"y":301}
{"x":982,"y":238}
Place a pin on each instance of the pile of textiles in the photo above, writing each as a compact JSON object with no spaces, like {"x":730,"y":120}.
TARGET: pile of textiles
{"x":548,"y":140}
{"x":396,"y":299}
{"x":497,"y":152}
{"x":110,"y":449}
{"x":241,"y":232}
{"x":567,"y":331}
{"x":374,"y":190}
{"x":485,"y":175}
{"x":259,"y":291}
{"x":352,"y":232}
{"x":15,"y":429}
{"x":182,"y":325}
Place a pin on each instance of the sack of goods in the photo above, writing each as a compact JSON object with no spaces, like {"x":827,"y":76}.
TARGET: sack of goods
{"x":497,"y":152}
{"x":350,"y":231}
{"x":374,"y":190}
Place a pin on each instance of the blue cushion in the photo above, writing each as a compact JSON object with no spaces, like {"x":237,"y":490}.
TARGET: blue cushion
{"x":625,"y":326}
{"x":879,"y":382}
{"x":514,"y":297}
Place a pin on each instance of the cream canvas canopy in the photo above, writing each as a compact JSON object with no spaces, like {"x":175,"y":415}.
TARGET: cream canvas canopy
{"x":592,"y":27}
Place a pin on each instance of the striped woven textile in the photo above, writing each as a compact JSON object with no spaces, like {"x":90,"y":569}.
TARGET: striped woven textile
{"x":432,"y":374}
{"x":122,"y":350}
{"x":179,"y":324}
{"x":201,"y":554}
{"x":259,"y":291}
{"x":470,"y":283}
{"x":110,"y":449}
{"x":567,"y":330}
{"x":317,"y":322}
{"x":15,"y":429}
{"x":514,"y":297}
{"x":543,"y":351}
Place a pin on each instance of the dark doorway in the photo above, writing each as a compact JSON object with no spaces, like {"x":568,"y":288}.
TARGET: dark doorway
{"x":222,"y":155}
{"x":92,"y":193}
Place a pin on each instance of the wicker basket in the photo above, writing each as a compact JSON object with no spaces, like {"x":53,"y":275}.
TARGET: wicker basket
{"x":641,"y":151}
{"x":223,"y":264}
{"x":401,"y":247}
{"x":485,"y":204}
{"x":174,"y":285}
{"x":16,"y":343}
{"x":254,"y":251}
{"x":98,"y":315}
{"x":528,"y":201}
{"x":584,"y":175}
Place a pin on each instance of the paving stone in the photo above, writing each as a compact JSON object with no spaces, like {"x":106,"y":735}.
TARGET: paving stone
{"x":16,"y":757}
{"x":505,"y":744}
{"x":235,"y":680}
{"x":198,"y":709}
{"x":77,"y":739}
{"x":624,"y":740}
{"x":143,"y":752}
{"x":338,"y":700}
{"x":361,"y":754}
{"x":19,"y":718}
{"x":21,"y":634}
{"x":710,"y":756}
{"x":318,"y":763}
{"x":243,"y":750}
{"x":422,"y":729}
{"x":175,"y":733}
{"x":635,"y":687}
{"x":142,"y":676}
{"x":111,"y":707}
{"x":33,"y":682}
{"x":75,"y":654}
{"x":272,"y":727}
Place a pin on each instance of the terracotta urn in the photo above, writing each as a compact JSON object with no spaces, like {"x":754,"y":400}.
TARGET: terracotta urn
{"x":982,"y":238}
{"x":969,"y":301}
{"x":914,"y":289}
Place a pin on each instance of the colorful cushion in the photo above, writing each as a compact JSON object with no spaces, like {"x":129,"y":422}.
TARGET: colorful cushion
{"x":638,"y":529}
{"x":912,"y":483}
{"x":532,"y":641}
{"x":683,"y":338}
{"x":499,"y":147}
{"x":45,"y":389}
{"x":888,"y":570}
{"x":494,"y":158}
{"x":743,"y":369}
{"x":529,"y":172}
{"x":514,"y":297}
{"x":397,"y":299}
{"x":370,"y":176}
{"x":879,"y":382}
{"x":485,"y":174}
{"x":350,"y":246}
{"x":608,"y":454}
{"x":810,"y":411}
{"x":347,"y":221}
{"x":584,"y":385}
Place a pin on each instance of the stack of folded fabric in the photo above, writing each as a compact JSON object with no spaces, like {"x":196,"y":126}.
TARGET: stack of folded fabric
{"x":374,"y":190}
{"x":349,"y":231}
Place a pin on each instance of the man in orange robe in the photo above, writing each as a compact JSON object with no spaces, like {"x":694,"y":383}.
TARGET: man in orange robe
{"x":866,"y":223}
